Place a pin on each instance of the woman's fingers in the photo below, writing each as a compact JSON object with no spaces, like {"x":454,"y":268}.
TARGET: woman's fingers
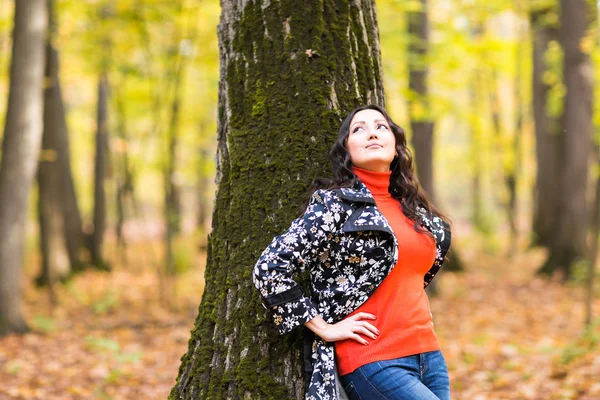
{"x":358,"y":339}
{"x":370,"y":327}
{"x":363,"y":315}
{"x":365,"y":331}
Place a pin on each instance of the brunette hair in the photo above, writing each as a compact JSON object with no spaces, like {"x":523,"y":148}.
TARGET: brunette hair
{"x":404,"y":185}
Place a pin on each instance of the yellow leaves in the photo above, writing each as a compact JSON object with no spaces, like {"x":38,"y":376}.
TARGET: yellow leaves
{"x":48,"y":155}
{"x":413,"y":6}
{"x":418,"y":111}
{"x":587,"y":44}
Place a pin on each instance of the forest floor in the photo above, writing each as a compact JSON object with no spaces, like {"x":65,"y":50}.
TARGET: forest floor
{"x":505,"y":333}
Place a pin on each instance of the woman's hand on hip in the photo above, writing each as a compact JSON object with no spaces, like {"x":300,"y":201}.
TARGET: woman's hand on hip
{"x":350,"y":328}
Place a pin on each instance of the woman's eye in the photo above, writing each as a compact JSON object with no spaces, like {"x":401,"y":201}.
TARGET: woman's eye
{"x":385,"y":126}
{"x":357,"y":128}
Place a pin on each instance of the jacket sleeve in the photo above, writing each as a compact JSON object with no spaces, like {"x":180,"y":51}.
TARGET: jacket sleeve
{"x":443,"y":239}
{"x":294,"y":250}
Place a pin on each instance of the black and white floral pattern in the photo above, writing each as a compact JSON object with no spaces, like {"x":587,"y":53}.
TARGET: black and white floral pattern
{"x":348,"y":247}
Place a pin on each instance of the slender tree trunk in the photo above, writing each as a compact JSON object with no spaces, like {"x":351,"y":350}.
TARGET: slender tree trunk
{"x":100,"y":172}
{"x":593,"y":255}
{"x":124,"y":175}
{"x":569,"y":240}
{"x":514,"y":165}
{"x":595,"y":227}
{"x":288,"y":75}
{"x":507,"y":157}
{"x":55,"y":258}
{"x":478,"y":217}
{"x":72,"y":216}
{"x":204,"y":200}
{"x":421,"y":120}
{"x":172,"y":196}
{"x":20,"y":150}
{"x":547,"y":134}
{"x":420,"y":116}
{"x":60,"y":221}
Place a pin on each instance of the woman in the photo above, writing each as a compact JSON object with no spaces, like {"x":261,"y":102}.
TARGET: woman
{"x":371,"y":242}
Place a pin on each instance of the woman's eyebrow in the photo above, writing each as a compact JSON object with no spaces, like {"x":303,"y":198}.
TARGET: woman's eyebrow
{"x":357,"y":122}
{"x":381,"y":120}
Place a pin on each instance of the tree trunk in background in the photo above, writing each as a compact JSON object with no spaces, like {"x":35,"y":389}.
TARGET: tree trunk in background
{"x":60,"y":221}
{"x":514,"y":165}
{"x":172,"y":192}
{"x":420,"y":110}
{"x":480,"y":220}
{"x":205,"y":199}
{"x":569,"y":239}
{"x":547,"y":134}
{"x":288,"y":75}
{"x":124,"y":174}
{"x":172,"y":203}
{"x":20,"y":150}
{"x":55,"y":258}
{"x":593,"y":253}
{"x":478,"y":217}
{"x":100,"y":172}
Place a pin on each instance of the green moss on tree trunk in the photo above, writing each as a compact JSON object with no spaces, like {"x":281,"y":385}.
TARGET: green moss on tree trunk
{"x":288,"y":76}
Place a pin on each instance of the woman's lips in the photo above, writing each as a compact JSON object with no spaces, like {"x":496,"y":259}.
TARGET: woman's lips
{"x":374,"y":146}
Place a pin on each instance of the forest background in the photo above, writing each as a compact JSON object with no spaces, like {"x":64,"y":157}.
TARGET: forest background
{"x":121,"y":200}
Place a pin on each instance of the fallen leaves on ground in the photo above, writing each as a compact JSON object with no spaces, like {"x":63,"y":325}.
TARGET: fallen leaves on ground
{"x":506,"y":334}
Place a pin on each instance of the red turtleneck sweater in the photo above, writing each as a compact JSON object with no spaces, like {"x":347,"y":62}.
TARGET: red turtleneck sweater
{"x":400,"y":303}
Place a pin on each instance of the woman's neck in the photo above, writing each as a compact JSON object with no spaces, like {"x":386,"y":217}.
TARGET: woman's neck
{"x":378,"y":183}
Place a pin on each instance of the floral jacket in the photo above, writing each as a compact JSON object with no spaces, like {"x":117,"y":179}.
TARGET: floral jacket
{"x":348,"y":247}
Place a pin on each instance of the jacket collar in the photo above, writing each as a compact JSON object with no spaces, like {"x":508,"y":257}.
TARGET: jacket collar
{"x":357,"y":193}
{"x":360,"y":194}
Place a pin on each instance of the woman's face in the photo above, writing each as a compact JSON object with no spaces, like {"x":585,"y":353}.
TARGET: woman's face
{"x":370,"y":142}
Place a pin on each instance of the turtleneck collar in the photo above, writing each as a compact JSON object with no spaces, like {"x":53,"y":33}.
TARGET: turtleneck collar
{"x":378,"y":183}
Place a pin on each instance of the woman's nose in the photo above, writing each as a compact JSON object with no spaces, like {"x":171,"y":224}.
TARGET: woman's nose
{"x":372,"y":135}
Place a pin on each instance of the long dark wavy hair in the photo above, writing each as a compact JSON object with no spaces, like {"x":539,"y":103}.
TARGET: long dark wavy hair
{"x":404,"y":185}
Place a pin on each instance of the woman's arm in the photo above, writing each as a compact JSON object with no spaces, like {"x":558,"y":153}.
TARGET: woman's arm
{"x":275,"y":269}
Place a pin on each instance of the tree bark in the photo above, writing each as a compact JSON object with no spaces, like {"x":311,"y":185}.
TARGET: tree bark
{"x":569,"y":240}
{"x":100,"y":172}
{"x":20,"y":150}
{"x":288,"y":74}
{"x":547,"y":134}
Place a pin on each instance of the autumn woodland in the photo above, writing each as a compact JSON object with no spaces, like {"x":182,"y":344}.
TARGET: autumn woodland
{"x":151,"y":149}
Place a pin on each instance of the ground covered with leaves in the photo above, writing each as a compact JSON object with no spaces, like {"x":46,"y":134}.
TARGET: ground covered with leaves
{"x":505,"y":333}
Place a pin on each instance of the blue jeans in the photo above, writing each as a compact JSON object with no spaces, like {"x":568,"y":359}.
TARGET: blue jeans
{"x":420,"y":377}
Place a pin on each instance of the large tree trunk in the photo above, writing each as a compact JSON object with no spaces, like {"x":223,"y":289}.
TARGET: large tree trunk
{"x":288,"y":75}
{"x":20,"y":150}
{"x":547,"y":134}
{"x":100,"y":173}
{"x":569,"y":240}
